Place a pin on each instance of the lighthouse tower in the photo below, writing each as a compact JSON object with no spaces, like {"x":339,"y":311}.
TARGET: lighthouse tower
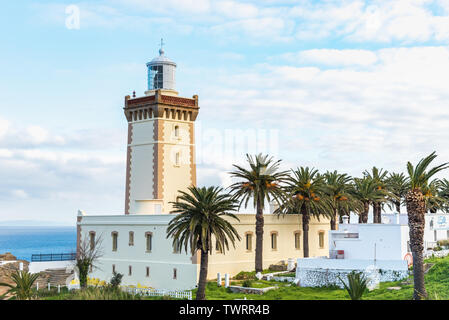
{"x":161,"y":142}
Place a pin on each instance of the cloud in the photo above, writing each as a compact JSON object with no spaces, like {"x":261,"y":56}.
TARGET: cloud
{"x":332,"y":57}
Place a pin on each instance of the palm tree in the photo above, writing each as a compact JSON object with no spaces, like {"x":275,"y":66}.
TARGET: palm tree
{"x":433,"y":196}
{"x":416,"y":209}
{"x":397,"y":184}
{"x":337,"y":188}
{"x":365,"y":190}
{"x":378,"y":176}
{"x":306,"y":196}
{"x":261,"y":182}
{"x":443,"y":192}
{"x":202,"y":214}
{"x":23,"y":284}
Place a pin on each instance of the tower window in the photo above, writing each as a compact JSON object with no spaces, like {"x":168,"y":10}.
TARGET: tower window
{"x":177,"y":159}
{"x":177,"y":131}
{"x":155,"y":77}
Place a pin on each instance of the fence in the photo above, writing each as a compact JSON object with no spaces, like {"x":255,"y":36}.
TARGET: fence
{"x":53,"y":257}
{"x":155,"y":292}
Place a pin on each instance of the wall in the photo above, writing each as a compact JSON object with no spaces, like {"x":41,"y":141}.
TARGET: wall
{"x":384,"y":240}
{"x":240,"y":259}
{"x":325,"y":272}
{"x":161,"y":260}
{"x":35,"y":267}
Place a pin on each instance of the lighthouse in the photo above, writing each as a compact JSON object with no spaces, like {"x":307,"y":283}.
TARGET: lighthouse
{"x":161,"y":142}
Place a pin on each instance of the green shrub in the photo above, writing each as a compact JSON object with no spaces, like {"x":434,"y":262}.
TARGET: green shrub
{"x":357,"y":285}
{"x":104,"y":293}
{"x":23,"y":285}
{"x":437,"y":248}
{"x":443,"y":243}
{"x":247,"y":283}
{"x":116,"y":279}
{"x":245,"y":275}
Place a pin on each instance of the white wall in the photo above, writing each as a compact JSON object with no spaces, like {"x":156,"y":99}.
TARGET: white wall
{"x":35,"y":267}
{"x":382,"y":240}
{"x":161,"y":259}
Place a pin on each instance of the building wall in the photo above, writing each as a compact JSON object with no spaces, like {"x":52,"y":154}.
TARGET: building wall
{"x":176,"y":176}
{"x":162,"y":260}
{"x":239,"y":259}
{"x":382,"y":240}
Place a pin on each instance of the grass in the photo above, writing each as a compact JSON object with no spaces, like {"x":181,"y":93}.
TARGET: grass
{"x":437,"y":286}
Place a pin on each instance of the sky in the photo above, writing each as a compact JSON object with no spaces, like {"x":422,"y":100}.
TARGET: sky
{"x":335,"y":85}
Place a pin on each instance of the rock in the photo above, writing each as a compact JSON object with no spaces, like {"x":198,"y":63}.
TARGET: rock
{"x":278,"y":267}
{"x":7,"y":257}
{"x":394,"y":288}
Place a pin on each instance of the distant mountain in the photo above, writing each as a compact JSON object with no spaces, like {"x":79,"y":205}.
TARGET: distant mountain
{"x":34,"y":223}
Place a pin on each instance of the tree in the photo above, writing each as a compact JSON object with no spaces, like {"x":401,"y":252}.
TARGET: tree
{"x":201,"y":215}
{"x":378,"y":177}
{"x":416,"y":209}
{"x":337,"y":187}
{"x":443,"y":192}
{"x":306,"y":196}
{"x":365,"y":190}
{"x":397,"y":184}
{"x":89,"y":253}
{"x":23,"y":285}
{"x":261,"y":182}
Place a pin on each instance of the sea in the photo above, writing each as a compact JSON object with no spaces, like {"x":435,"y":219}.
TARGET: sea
{"x":22,"y":242}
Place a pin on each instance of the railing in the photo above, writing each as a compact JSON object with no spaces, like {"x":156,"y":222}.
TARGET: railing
{"x":53,"y":257}
{"x":155,"y":292}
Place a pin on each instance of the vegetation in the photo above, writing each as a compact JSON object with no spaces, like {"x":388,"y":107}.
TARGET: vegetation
{"x":261,"y":182}
{"x":416,"y":199}
{"x":200,"y":217}
{"x":22,"y":289}
{"x":116,"y":280}
{"x":356,"y":286}
{"x":88,"y":255}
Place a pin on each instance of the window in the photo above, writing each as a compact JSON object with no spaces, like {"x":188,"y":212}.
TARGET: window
{"x":148,"y":272}
{"x":321,"y":239}
{"x":249,"y":240}
{"x":177,"y":159}
{"x":92,"y":240}
{"x":274,"y":240}
{"x":113,"y":268}
{"x":155,"y":78}
{"x":114,"y":240}
{"x":177,"y":131}
{"x":434,"y":235}
{"x":130,"y":270}
{"x":131,"y":238}
{"x":148,"y":241}
{"x":175,"y":273}
{"x":297,"y":240}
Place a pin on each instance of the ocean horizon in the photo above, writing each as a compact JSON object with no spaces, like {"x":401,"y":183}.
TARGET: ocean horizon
{"x":22,"y":242}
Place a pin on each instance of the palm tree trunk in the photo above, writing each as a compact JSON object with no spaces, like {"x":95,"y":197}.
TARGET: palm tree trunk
{"x":201,"y":293}
{"x":305,"y":231}
{"x":416,"y":209}
{"x":375,"y":212}
{"x":334,"y":220}
{"x":398,"y":207}
{"x":259,"y":237}
{"x":365,"y":212}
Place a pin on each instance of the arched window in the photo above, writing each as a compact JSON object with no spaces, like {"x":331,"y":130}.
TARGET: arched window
{"x":148,"y":241}
{"x":114,"y":240}
{"x":297,"y":240}
{"x":274,"y":240}
{"x":249,"y":241}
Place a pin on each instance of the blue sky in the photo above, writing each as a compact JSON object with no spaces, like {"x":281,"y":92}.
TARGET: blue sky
{"x":336,"y":84}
